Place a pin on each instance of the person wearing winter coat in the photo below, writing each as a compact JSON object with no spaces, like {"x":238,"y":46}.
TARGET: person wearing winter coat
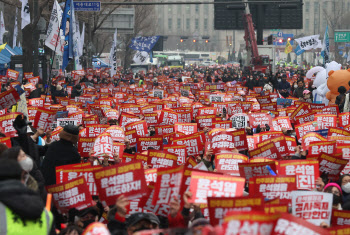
{"x":62,"y":152}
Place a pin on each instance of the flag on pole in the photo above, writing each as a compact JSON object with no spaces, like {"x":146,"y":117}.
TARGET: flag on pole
{"x":67,"y":27}
{"x":54,"y":35}
{"x":25,"y":14}
{"x":288,"y":48}
{"x":76,"y":39}
{"x":15,"y":32}
{"x":82,"y":38}
{"x":325,"y":47}
{"x":113,"y":54}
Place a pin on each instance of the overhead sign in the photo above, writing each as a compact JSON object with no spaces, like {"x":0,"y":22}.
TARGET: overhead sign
{"x":87,"y":6}
{"x":342,"y":36}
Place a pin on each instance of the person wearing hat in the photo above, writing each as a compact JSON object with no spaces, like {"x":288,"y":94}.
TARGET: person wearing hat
{"x":59,"y":92}
{"x":21,"y":210}
{"x":62,"y":152}
{"x":76,"y":91}
{"x":335,"y":189}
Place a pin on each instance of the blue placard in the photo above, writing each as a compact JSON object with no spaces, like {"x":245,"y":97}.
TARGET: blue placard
{"x":323,"y":132}
{"x":87,"y":6}
{"x":284,"y":102}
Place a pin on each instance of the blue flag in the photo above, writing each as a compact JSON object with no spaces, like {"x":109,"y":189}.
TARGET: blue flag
{"x":67,"y":28}
{"x":143,"y":43}
{"x":298,"y":50}
{"x":325,"y":47}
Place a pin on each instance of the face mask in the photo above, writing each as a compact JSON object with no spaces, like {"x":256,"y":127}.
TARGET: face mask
{"x":279,"y":80}
{"x":295,"y":86}
{"x":346,"y":188}
{"x":152,"y":133}
{"x":336,"y":199}
{"x":26,"y":164}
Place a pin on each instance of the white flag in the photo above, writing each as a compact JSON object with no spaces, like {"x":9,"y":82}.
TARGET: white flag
{"x":141,"y":57}
{"x":15,"y":32}
{"x":309,"y":42}
{"x":113,"y":54}
{"x":2,"y":28}
{"x":53,"y":35}
{"x":82,"y":38}
{"x":25,"y":14}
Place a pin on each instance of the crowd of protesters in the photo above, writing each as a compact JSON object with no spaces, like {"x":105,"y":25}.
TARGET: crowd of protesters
{"x":28,"y":164}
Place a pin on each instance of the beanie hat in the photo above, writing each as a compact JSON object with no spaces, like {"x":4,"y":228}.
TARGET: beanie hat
{"x":70,"y":133}
{"x":10,"y":169}
{"x":334,"y":185}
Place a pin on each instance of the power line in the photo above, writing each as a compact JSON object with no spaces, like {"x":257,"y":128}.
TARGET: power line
{"x":200,"y":3}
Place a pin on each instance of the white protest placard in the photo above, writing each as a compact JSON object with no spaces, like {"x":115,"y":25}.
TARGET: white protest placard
{"x":158,"y":93}
{"x":141,"y":57}
{"x":67,"y":121}
{"x":239,"y":121}
{"x":216,"y":98}
{"x":314,"y":207}
{"x":309,"y":42}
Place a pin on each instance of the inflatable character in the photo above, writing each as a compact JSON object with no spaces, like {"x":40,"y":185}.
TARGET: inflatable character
{"x":320,"y":81}
{"x":335,"y":80}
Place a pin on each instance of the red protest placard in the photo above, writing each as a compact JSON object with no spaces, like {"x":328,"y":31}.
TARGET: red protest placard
{"x":151,"y":175}
{"x":340,"y":218}
{"x":167,"y":117}
{"x":186,"y":128}
{"x":6,"y":141}
{"x":118,"y":148}
{"x":314,"y":207}
{"x":331,"y":165}
{"x":205,"y":121}
{"x":219,"y":207}
{"x":344,"y":119}
{"x":207,"y":111}
{"x":179,"y":150}
{"x":222,"y":141}
{"x":335,"y":131}
{"x":167,"y":185}
{"x":311,"y":137}
{"x":85,"y":145}
{"x":228,"y":162}
{"x":144,"y":143}
{"x":269,"y":151}
{"x":261,"y":119}
{"x":326,"y":121}
{"x":103,"y":146}
{"x":281,"y":122}
{"x":160,"y":209}
{"x":12,"y":74}
{"x":302,"y":129}
{"x":302,"y":109}
{"x":151,"y":118}
{"x":36,"y":102}
{"x":205,"y":185}
{"x":193,"y":142}
{"x":272,"y":187}
{"x":288,"y":224}
{"x":164,"y":129}
{"x":249,"y":170}
{"x":72,"y":194}
{"x":6,"y":124}
{"x":139,"y":126}
{"x":306,"y":172}
{"x":222,"y":124}
{"x":126,"y":118}
{"x":127,"y":179}
{"x":34,"y":80}
{"x":8,"y":98}
{"x":240,"y":139}
{"x":309,"y":117}
{"x":28,"y":75}
{"x":159,"y":159}
{"x":116,"y":132}
{"x":315,"y":148}
{"x":249,"y":222}
{"x":93,"y":130}
{"x":280,"y":143}
{"x":44,"y":118}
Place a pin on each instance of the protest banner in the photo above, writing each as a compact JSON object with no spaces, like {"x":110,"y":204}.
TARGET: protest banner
{"x":12,"y":74}
{"x":249,"y":222}
{"x":269,"y":151}
{"x":219,"y":207}
{"x":194,"y":143}
{"x":71,"y":194}
{"x":6,"y":141}
{"x":179,"y":150}
{"x":159,"y":209}
{"x":167,"y":185}
{"x":340,"y":218}
{"x":152,"y":142}
{"x":85,"y":144}
{"x":228,"y":162}
{"x":272,"y":187}
{"x":279,"y":123}
{"x":103,"y":147}
{"x":167,"y":117}
{"x":9,"y":98}
{"x":6,"y":124}
{"x":314,"y":207}
{"x":280,"y":143}
{"x":335,"y":131}
{"x":306,"y":172}
{"x":249,"y":170}
{"x":151,"y":118}
{"x":127,"y":179}
{"x":326,"y":121}
{"x":344,"y":119}
{"x":205,"y":121}
{"x":203,"y":185}
{"x":160,"y":159}
{"x":332,"y":166}
{"x":186,"y":128}
{"x":222,"y":141}
{"x":309,"y":138}
{"x":315,"y":148}
{"x":116,"y":132}
{"x":93,"y":130}
{"x":261,"y":119}
{"x":44,"y":118}
{"x":302,"y":129}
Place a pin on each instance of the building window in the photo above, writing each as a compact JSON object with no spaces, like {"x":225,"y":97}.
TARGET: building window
{"x":170,"y":24}
{"x":307,"y":7}
{"x":206,"y":9}
{"x":205,"y":24}
{"x":188,"y":9}
{"x":179,"y":23}
{"x":197,"y":9}
{"x":188,"y":24}
{"x":307,"y":23}
{"x":316,"y":7}
{"x":179,"y":10}
{"x":197,"y":24}
{"x":170,"y":9}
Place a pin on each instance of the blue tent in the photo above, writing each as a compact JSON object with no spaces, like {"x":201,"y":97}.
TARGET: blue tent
{"x":98,"y":63}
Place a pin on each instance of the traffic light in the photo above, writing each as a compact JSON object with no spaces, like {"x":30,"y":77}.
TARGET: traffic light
{"x":194,"y":40}
{"x":206,"y":41}
{"x":280,"y":41}
{"x":181,"y":40}
{"x":289,"y":39}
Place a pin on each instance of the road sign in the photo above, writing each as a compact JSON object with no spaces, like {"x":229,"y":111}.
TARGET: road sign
{"x":342,"y":36}
{"x":280,"y":34}
{"x":87,"y":6}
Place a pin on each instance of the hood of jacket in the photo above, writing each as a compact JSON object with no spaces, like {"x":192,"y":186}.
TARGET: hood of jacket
{"x":24,"y":202}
